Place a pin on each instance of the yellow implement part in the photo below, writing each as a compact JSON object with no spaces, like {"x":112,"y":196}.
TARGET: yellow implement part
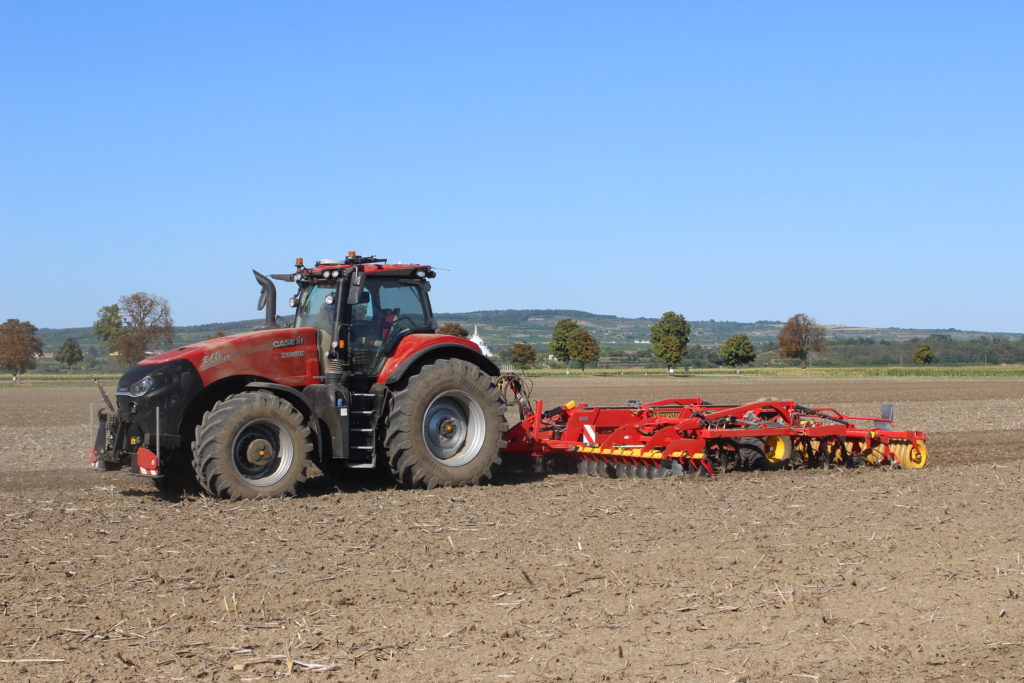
{"x":876,"y":455}
{"x":911,"y":456}
{"x":777,"y":449}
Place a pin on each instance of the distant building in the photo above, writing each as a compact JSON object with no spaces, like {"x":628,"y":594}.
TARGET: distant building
{"x":478,"y":340}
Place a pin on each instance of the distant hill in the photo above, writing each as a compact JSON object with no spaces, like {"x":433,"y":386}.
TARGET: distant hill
{"x":502,"y":328}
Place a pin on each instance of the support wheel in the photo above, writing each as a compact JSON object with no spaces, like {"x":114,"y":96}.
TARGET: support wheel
{"x":913,"y":456}
{"x":778,"y":450}
{"x":445,"y":426}
{"x":252,"y":445}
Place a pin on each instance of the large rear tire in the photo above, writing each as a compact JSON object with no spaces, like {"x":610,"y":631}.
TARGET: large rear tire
{"x":445,"y":426}
{"x":252,"y":445}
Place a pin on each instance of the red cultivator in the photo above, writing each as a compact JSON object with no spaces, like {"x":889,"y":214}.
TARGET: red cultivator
{"x":688,"y":435}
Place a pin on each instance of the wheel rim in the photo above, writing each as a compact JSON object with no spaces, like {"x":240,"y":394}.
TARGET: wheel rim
{"x":454,"y":428}
{"x":775,"y":449}
{"x":262,"y":453}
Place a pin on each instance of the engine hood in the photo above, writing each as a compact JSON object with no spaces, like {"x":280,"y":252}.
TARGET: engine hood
{"x":286,"y":355}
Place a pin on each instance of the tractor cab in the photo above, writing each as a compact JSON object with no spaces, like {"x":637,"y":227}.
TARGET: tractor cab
{"x":361,"y":308}
{"x":384,"y":308}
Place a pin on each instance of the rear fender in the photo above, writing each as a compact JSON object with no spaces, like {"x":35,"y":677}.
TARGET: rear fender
{"x":417,"y":349}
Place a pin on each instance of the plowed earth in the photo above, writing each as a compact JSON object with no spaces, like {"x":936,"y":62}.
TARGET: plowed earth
{"x":838,"y":575}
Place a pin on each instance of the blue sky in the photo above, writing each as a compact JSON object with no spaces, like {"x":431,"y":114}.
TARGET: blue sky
{"x":860,"y":162}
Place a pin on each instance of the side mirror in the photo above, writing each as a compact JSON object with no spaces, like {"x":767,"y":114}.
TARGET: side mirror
{"x":355,"y":286}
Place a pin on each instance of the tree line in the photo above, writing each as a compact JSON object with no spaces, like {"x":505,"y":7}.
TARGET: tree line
{"x":127,"y":328}
{"x":138,"y":321}
{"x":571,"y":343}
{"x":800,"y":339}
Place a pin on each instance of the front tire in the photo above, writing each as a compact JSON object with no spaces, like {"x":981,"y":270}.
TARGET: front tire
{"x":445,"y":426}
{"x":252,"y":445}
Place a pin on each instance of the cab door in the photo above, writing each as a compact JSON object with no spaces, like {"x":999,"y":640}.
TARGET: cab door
{"x":388,"y":309}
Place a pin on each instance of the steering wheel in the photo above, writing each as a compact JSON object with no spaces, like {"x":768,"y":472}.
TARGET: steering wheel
{"x":398,"y":326}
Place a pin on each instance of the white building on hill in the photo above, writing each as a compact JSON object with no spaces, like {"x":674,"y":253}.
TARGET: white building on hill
{"x":478,"y":340}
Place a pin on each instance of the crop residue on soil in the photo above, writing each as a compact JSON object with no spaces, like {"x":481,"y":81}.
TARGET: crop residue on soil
{"x":802,"y":575}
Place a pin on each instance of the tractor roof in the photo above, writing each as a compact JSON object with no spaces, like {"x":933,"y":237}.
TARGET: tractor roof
{"x":370,"y":265}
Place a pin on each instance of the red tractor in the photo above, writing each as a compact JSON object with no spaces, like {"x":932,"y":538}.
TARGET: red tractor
{"x":360,"y":378}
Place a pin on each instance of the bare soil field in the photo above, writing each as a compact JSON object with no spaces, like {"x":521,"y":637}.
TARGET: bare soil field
{"x":802,"y":575}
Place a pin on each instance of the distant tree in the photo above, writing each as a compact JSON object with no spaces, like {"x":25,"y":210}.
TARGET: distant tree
{"x":454,"y":329}
{"x":583,"y":348}
{"x":69,"y":353}
{"x":109,"y":326}
{"x":561,"y":339}
{"x":799,"y":336}
{"x":217,"y":335}
{"x":133,"y":324}
{"x":19,"y":346}
{"x":669,"y":337}
{"x":923,"y":355}
{"x":702,"y":356}
{"x":521,"y":355}
{"x":738,"y":350}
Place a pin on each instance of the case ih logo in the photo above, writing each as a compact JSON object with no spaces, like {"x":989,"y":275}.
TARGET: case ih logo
{"x":297,"y":341}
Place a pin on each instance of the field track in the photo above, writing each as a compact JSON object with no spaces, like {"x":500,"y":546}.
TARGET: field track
{"x":803,"y":575}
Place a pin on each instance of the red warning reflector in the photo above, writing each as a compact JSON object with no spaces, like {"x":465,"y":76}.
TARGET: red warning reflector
{"x":147,"y":462}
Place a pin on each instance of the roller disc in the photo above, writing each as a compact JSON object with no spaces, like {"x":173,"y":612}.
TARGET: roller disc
{"x":833,"y":452}
{"x":658,"y":471}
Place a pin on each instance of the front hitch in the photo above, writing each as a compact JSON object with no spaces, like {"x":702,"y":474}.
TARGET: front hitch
{"x":104,"y":454}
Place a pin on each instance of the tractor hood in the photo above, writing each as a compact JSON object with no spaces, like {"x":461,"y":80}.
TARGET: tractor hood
{"x":285,"y":355}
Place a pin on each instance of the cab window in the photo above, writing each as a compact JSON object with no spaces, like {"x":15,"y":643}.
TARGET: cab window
{"x":313,"y":310}
{"x":405,"y":301}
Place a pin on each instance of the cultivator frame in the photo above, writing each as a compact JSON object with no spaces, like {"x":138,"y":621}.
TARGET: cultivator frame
{"x":678,"y":435}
